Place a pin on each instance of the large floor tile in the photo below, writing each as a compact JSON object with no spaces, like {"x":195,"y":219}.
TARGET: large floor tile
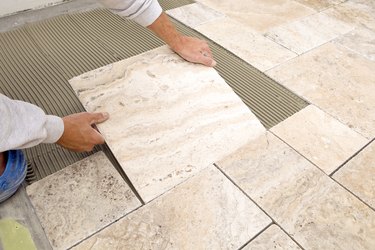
{"x":320,"y":138}
{"x":320,"y":4}
{"x":251,"y":46}
{"x":194,"y":14}
{"x":81,"y":199}
{"x":308,"y":33}
{"x":260,"y":15}
{"x":205,"y":212}
{"x":358,"y":175}
{"x":169,"y":119}
{"x":361,"y":40}
{"x":337,"y":80}
{"x":272,"y":238}
{"x":312,"y":208}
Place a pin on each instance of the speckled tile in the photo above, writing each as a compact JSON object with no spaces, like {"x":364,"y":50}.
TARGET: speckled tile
{"x":249,"y":45}
{"x":337,"y":80}
{"x":206,"y":212}
{"x":320,"y":138}
{"x":272,"y":238}
{"x":260,"y":15}
{"x":312,"y":208}
{"x":308,"y":33}
{"x":320,"y":4}
{"x":194,"y":14}
{"x":81,"y":199}
{"x":169,"y":118}
{"x":358,"y":175}
{"x":361,"y":40}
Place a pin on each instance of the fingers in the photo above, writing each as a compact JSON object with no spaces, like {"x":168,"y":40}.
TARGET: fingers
{"x":98,"y":117}
{"x":207,"y":61}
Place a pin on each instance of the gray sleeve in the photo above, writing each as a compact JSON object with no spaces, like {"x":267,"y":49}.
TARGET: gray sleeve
{"x":24,"y":125}
{"x":144,"y":12}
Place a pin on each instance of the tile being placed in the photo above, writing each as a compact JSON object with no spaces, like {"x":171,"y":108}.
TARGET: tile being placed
{"x":194,"y":14}
{"x":361,"y":40}
{"x":169,"y":119}
{"x":358,"y":175}
{"x":312,"y":208}
{"x":308,"y":33}
{"x":246,"y":43}
{"x":81,"y":199}
{"x":320,"y":138}
{"x":260,"y":15}
{"x":272,"y":238}
{"x":206,"y":212}
{"x":337,"y":80}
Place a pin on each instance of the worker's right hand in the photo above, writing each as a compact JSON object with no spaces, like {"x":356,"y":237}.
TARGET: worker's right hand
{"x":79,"y":135}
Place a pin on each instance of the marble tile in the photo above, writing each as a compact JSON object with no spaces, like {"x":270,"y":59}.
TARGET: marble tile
{"x":194,"y":14}
{"x":358,"y":175}
{"x":320,"y":5}
{"x":361,"y":40}
{"x":337,"y":80}
{"x":308,"y":33}
{"x":246,"y":43}
{"x":312,"y":208}
{"x":260,"y":15}
{"x":206,"y":212}
{"x":81,"y":199}
{"x":169,"y":119}
{"x":272,"y":238}
{"x":320,"y":138}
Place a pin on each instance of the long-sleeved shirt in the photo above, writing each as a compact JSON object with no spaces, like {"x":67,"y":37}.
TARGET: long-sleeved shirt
{"x":25,"y":125}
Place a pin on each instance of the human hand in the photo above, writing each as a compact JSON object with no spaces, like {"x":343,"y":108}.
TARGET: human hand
{"x":194,"y":50}
{"x":79,"y":135}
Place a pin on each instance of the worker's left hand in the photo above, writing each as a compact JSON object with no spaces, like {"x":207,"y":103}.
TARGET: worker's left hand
{"x":194,"y":50}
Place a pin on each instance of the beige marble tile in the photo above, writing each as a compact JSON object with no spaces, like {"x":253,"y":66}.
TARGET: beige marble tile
{"x":194,"y":14}
{"x":358,"y":175}
{"x":246,"y":43}
{"x":169,"y":119}
{"x":272,"y":238}
{"x":320,"y":138}
{"x":206,"y":212}
{"x":308,"y":33}
{"x":81,"y":199}
{"x":337,"y":80}
{"x":320,"y":4}
{"x":361,"y":40}
{"x":260,"y":15}
{"x":312,"y":208}
{"x":359,"y":12}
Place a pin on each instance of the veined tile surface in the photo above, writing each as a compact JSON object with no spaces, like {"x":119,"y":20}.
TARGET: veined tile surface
{"x":260,"y":15}
{"x":361,"y":40}
{"x":246,"y":43}
{"x":194,"y":14}
{"x":320,"y":4}
{"x":206,"y":212}
{"x":320,"y":138}
{"x":272,"y":238}
{"x":312,"y":208}
{"x":308,"y":33}
{"x":81,"y":199}
{"x":169,"y":119}
{"x":337,"y":80}
{"x":358,"y":175}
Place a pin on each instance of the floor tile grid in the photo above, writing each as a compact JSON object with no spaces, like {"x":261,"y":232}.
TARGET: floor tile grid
{"x":273,"y":221}
{"x":330,"y":175}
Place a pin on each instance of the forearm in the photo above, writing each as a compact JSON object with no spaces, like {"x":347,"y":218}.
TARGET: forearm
{"x":25,"y":125}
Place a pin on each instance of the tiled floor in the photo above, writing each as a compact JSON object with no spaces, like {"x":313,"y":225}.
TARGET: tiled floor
{"x":210,"y":175}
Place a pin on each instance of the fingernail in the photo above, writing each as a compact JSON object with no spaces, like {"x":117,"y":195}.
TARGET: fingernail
{"x":213,"y":64}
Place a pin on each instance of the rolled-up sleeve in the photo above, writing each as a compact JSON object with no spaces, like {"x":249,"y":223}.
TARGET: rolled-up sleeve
{"x":24,"y":125}
{"x":144,"y":12}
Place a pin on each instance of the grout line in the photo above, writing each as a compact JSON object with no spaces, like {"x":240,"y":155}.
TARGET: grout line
{"x":255,"y":236}
{"x":248,"y":196}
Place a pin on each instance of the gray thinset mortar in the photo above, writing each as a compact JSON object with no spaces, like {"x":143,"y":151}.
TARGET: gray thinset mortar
{"x":38,"y":59}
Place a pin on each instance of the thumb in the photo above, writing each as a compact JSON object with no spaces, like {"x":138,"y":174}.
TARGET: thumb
{"x":97,"y":137}
{"x":98,"y":117}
